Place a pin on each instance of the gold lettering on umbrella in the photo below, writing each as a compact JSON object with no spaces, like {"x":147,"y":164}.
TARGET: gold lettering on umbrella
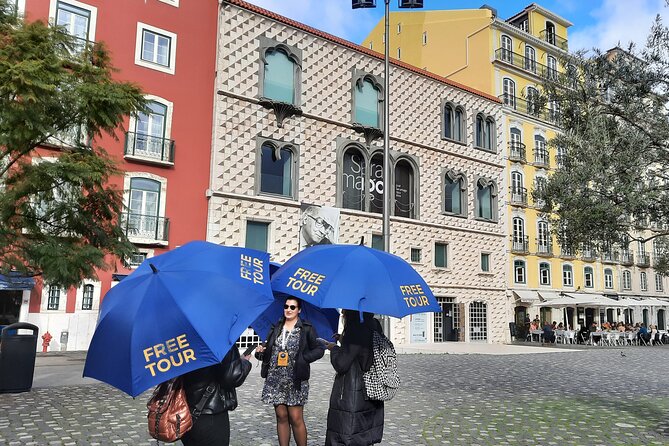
{"x":175,"y":349}
{"x":415,"y":296}
{"x":305,"y":281}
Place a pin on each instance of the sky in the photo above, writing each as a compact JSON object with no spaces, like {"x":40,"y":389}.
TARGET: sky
{"x":599,"y":24}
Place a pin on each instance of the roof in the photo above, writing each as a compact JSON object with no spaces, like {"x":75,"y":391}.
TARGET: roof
{"x":338,"y":40}
{"x":546,"y":13}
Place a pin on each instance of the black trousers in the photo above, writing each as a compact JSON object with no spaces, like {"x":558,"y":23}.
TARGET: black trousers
{"x":209,"y":430}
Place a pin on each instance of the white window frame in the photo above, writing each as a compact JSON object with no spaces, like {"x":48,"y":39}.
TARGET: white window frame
{"x":92,"y":25}
{"x":546,"y":282}
{"x":424,"y":37}
{"x":62,"y":301}
{"x":174,"y":3}
{"x":97,"y":286}
{"x":161,"y":205}
{"x":567,"y":275}
{"x":170,"y":69}
{"x":608,"y":279}
{"x":516,"y":269}
{"x":643,"y":281}
{"x":659,"y":283}
{"x":626,"y":279}
{"x":132,"y":125}
{"x":591,"y":273}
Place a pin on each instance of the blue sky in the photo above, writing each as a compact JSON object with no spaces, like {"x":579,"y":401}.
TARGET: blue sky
{"x":597,"y":23}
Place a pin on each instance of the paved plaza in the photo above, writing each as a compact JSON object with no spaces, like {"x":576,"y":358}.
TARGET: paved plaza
{"x":564,"y":397}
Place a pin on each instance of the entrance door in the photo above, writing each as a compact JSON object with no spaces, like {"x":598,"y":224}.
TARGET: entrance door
{"x":444,"y":322}
{"x":589,"y":316}
{"x":10,"y":306}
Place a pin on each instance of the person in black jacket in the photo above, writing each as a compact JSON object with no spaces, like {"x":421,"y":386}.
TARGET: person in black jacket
{"x":290,"y":348}
{"x":353,"y":420}
{"x":212,"y":427}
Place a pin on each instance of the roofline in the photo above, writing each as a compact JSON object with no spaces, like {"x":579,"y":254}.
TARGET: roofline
{"x":338,"y":40}
{"x":532,"y":6}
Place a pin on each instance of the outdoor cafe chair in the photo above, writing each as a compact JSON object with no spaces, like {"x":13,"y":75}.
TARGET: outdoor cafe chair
{"x":559,"y":336}
{"x":570,"y":337}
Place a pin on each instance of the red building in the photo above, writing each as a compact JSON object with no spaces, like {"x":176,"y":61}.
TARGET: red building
{"x":168,"y":47}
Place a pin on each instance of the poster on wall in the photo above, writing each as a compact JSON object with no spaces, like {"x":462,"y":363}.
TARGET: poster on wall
{"x":419,"y":328}
{"x":319,"y":225}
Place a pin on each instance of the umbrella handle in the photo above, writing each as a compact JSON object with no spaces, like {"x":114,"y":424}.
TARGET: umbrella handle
{"x":235,"y":318}
{"x":360,"y":311}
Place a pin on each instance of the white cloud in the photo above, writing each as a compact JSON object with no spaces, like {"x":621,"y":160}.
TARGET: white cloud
{"x":618,"y":21}
{"x":332,"y":16}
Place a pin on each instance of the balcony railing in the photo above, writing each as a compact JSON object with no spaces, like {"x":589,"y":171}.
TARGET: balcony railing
{"x":517,"y":151}
{"x":149,"y":227}
{"x":626,"y":258}
{"x":531,"y":108}
{"x":560,"y":160}
{"x":588,"y":254}
{"x":553,"y":39}
{"x":544,"y":247}
{"x":526,"y":64}
{"x":541,"y":157}
{"x":520,"y":244}
{"x":148,"y":147}
{"x":519,"y":196}
{"x":643,"y":260}
{"x":610,"y":257}
{"x":566,"y":252}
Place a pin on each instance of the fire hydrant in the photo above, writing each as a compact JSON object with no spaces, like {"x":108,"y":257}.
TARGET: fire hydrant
{"x":46,"y":338}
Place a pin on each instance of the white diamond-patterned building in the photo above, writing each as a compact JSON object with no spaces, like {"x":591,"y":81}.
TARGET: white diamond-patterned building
{"x":468,"y":272}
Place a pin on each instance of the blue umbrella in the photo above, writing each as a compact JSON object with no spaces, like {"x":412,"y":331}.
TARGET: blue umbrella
{"x":324,"y":320}
{"x":179,"y":311}
{"x":355,"y":277}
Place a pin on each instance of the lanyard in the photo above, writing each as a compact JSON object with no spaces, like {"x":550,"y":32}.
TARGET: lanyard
{"x":284,"y":337}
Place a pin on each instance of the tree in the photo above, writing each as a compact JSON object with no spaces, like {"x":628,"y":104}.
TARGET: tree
{"x":612,"y":186}
{"x":58,"y":216}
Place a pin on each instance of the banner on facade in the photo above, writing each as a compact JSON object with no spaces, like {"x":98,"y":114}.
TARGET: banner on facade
{"x":319,"y":225}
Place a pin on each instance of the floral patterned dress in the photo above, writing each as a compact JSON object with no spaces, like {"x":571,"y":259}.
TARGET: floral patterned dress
{"x":279,"y":386}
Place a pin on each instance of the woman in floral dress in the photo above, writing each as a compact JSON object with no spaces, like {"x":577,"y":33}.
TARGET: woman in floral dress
{"x":290,"y":348}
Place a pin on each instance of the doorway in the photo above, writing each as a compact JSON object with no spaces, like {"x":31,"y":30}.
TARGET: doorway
{"x":446,"y":323}
{"x":10,"y":306}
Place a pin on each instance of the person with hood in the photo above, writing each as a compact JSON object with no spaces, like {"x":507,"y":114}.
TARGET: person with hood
{"x":353,"y":420}
{"x":291,"y":346}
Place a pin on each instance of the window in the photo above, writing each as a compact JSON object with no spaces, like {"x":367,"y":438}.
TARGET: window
{"x":454,"y":122}
{"x":87,"y":299}
{"x":377,"y":242}
{"x":276,"y":169}
{"x":485,"y":262}
{"x":54,"y":298}
{"x":516,"y":146}
{"x":627,"y":280}
{"x":155,"y":48}
{"x":544,"y":273}
{"x":551,"y":62}
{"x":144,"y":205}
{"x":507,"y":49}
{"x":441,"y":255}
{"x":367,"y":101}
{"x":455,"y":192}
{"x":518,"y":238}
{"x":659,"y":286}
{"x":78,"y":19}
{"x":550,"y":33}
{"x":478,"y":321}
{"x":257,"y":233}
{"x":135,"y":259}
{"x":399,"y":53}
{"x":486,"y":197}
{"x":279,"y":78}
{"x":416,"y":255}
{"x":425,"y":38}
{"x":530,"y":59}
{"x":541,"y":156}
{"x":361,"y":185}
{"x":399,"y":28}
{"x":544,"y":245}
{"x":148,"y":138}
{"x":567,"y":275}
{"x":532,"y":101}
{"x":588,"y":277}
{"x":539,"y":187}
{"x":519,"y":271}
{"x":643,"y":278}
{"x":608,"y":279}
{"x":485,"y":132}
{"x":509,"y":92}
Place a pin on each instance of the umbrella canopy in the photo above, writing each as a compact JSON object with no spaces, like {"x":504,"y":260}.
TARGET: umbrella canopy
{"x":355,"y":277}
{"x":179,"y":311}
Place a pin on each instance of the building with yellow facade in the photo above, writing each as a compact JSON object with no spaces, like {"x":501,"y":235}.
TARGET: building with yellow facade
{"x":511,"y":59}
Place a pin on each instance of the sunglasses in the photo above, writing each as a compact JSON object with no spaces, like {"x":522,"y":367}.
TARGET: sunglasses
{"x":292,"y":307}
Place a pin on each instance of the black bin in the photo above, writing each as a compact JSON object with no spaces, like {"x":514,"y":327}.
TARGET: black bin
{"x":17,"y":358}
{"x":512,"y":330}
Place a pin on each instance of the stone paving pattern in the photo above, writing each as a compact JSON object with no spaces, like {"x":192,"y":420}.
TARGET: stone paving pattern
{"x":594,"y":397}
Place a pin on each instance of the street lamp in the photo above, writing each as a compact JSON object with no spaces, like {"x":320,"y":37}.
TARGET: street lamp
{"x":356,"y":4}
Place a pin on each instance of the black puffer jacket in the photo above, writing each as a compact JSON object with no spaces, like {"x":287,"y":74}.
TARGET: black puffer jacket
{"x":352,"y":420}
{"x":226,"y":376}
{"x":310,"y":350}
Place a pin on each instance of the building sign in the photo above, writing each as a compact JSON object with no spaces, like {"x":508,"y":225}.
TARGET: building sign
{"x":419,"y":328}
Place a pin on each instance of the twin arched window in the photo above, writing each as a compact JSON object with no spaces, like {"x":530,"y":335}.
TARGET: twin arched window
{"x":486,"y":199}
{"x":277,"y":169}
{"x":455,"y":193}
{"x":454,"y":122}
{"x":367,"y":101}
{"x":485,"y":132}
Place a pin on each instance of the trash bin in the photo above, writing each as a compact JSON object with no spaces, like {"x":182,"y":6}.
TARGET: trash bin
{"x":17,"y":358}
{"x":512,"y":330}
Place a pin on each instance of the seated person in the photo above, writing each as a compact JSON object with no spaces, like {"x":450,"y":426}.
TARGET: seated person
{"x":548,"y":334}
{"x":643,"y":333}
{"x":583,"y":334}
{"x":621,"y":327}
{"x":534,"y":326}
{"x":560,"y":326}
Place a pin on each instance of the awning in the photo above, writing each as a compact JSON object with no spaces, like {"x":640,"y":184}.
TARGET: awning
{"x":526,"y":296}
{"x":16,"y":282}
{"x":650,"y":302}
{"x":596,"y":300}
{"x":549,"y":295}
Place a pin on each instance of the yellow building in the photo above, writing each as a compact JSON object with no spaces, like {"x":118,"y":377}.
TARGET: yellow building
{"x":511,"y":59}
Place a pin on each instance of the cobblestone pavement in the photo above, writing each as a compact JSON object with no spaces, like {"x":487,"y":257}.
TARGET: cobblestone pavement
{"x":594,"y":397}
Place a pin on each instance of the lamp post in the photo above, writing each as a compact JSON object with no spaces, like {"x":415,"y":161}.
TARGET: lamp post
{"x":356,"y":4}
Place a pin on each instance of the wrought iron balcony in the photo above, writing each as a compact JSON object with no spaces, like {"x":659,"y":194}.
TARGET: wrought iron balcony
{"x":520,"y":244}
{"x":554,"y":39}
{"x":626,"y":258}
{"x":567,"y":253}
{"x":517,"y":151}
{"x":544,"y":247}
{"x":531,"y":108}
{"x":526,"y":64}
{"x":541,"y":157}
{"x":149,"y":148}
{"x":610,"y":256}
{"x":519,"y":196}
{"x":588,"y":254}
{"x":643,"y":260}
{"x":146,"y":227}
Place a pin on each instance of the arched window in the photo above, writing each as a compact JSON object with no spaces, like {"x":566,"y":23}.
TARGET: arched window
{"x":588,"y":277}
{"x":661,"y":322}
{"x":645,"y":317}
{"x":448,"y":121}
{"x":516,"y":146}
{"x":567,"y":275}
{"x":507,"y":49}
{"x":277,"y":166}
{"x":486,"y":199}
{"x":279,"y":76}
{"x":376,"y":185}
{"x":148,"y":138}
{"x":543,"y":238}
{"x":454,"y":192}
{"x":627,"y":280}
{"x":517,"y":182}
{"x":87,"y":297}
{"x":354,"y":179}
{"x":54,"y":298}
{"x":519,"y":271}
{"x":608,"y":278}
{"x":144,"y":208}
{"x":532,"y":101}
{"x":490,"y":129}
{"x":530,"y":59}
{"x":480,"y":131}
{"x":551,"y":63}
{"x":550,"y":33}
{"x":478,"y":321}
{"x":509,"y":92}
{"x":541,"y":156}
{"x":404,"y":189}
{"x":545,"y":273}
{"x":367,"y":102}
{"x":459,"y":124}
{"x":643,"y":279}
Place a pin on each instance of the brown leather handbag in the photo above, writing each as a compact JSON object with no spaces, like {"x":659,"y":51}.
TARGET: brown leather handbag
{"x":169,"y":415}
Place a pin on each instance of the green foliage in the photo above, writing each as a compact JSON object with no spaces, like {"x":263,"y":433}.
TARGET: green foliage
{"x":612,"y":187}
{"x":58,"y":216}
